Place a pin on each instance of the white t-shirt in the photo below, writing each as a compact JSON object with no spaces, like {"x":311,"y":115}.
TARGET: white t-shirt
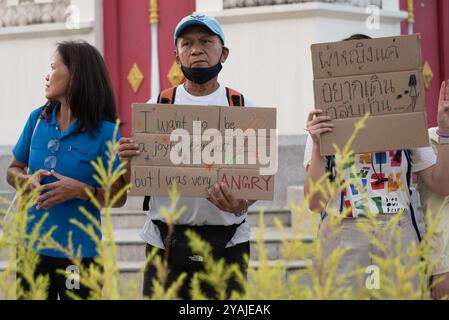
{"x":388,"y":197}
{"x":198,"y":211}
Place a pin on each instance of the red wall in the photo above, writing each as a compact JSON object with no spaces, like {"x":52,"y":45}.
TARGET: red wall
{"x":127,"y":40}
{"x":432,"y":22}
{"x":443,"y":9}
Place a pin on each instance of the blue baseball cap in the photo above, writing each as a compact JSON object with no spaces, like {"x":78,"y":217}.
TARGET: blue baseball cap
{"x":199,"y":19}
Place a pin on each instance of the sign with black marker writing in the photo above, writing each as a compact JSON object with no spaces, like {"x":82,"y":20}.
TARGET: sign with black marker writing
{"x":194,"y":146}
{"x":158,"y":181}
{"x":382,"y":77}
{"x":160,"y":119}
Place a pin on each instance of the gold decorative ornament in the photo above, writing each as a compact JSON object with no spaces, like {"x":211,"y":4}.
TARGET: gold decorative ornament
{"x":154,"y":12}
{"x":411,"y":11}
{"x":428,"y":74}
{"x":175,"y":75}
{"x":135,"y":78}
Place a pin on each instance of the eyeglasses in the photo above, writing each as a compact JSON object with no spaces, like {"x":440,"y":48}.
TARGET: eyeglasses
{"x":51,"y":160}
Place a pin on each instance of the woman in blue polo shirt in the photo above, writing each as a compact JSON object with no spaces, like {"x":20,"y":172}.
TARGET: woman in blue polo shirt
{"x":59,"y":141}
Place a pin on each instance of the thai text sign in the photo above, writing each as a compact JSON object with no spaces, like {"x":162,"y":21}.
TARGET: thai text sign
{"x":382,"y":77}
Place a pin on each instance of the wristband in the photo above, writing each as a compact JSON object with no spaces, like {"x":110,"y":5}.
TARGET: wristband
{"x":442,"y":134}
{"x":245,"y":210}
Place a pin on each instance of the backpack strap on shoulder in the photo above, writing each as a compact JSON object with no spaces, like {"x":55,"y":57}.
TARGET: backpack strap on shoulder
{"x":408,"y":155}
{"x":146,"y":203}
{"x":330,"y":167}
{"x":235,"y":98}
{"x":167,"y":96}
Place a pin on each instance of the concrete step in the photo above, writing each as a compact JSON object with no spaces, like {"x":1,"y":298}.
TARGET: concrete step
{"x":128,"y":219}
{"x":132,"y":268}
{"x":5,"y":159}
{"x":130,"y":247}
{"x":130,"y":272}
{"x":135,"y":266}
{"x":6,"y":195}
{"x":134,"y":203}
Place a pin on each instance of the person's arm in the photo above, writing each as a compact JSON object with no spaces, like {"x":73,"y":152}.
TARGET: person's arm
{"x":67,"y":188}
{"x":17,"y":174}
{"x":127,"y":150}
{"x":223,"y":199}
{"x":17,"y":169}
{"x":316,"y":168}
{"x":99,"y":193}
{"x":440,"y":289}
{"x":437,"y":176}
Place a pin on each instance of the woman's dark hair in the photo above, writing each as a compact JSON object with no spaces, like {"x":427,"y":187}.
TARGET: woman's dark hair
{"x":90,"y":94}
{"x":357,"y":36}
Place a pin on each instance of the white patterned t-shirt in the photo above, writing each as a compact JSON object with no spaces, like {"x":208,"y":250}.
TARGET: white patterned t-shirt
{"x":382,"y":187}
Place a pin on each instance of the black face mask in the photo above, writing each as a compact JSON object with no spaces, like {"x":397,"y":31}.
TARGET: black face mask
{"x":201,"y":75}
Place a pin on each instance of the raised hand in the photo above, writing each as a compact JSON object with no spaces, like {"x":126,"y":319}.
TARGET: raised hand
{"x":443,"y":108}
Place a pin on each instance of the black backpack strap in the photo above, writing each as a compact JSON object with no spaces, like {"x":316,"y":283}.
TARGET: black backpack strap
{"x":330,"y":168}
{"x":146,"y":203}
{"x":408,"y":156}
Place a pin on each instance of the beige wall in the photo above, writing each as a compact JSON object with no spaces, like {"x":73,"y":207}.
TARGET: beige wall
{"x":25,"y":54}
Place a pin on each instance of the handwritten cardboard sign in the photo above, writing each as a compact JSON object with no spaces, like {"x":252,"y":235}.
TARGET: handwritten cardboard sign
{"x":249,"y":184}
{"x":247,"y":118}
{"x":158,"y":181}
{"x":158,"y":149}
{"x":199,"y":157}
{"x":380,"y":76}
{"x":154,"y":118}
{"x":361,"y":57}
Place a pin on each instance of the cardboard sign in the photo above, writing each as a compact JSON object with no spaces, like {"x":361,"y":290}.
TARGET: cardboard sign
{"x":156,"y":149}
{"x":384,"y":93}
{"x":361,"y":57}
{"x":156,"y":118}
{"x":247,"y":118}
{"x":248,"y":184}
{"x":380,"y":76}
{"x":161,"y":150}
{"x":158,"y":181}
{"x":402,"y":132}
{"x":200,"y":156}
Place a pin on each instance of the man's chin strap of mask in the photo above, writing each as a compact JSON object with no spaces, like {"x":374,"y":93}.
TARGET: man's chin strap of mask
{"x":201,"y":75}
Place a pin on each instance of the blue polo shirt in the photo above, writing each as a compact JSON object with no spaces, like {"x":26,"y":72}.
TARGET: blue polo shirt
{"x":76,"y":151}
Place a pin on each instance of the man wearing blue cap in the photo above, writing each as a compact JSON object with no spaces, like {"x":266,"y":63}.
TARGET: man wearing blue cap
{"x":221,"y":218}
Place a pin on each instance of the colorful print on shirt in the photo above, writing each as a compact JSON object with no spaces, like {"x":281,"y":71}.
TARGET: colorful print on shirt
{"x":382,"y":184}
